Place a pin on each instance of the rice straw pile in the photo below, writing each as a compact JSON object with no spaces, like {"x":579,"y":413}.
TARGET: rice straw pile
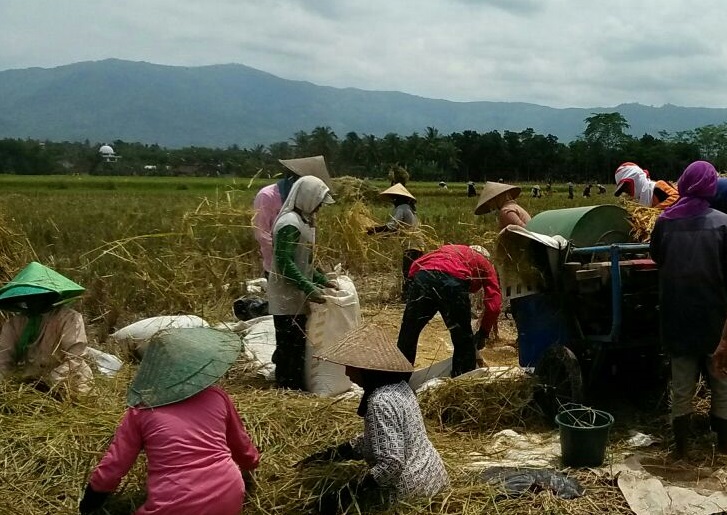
{"x":642,"y":220}
{"x":350,"y":189}
{"x":485,"y":404}
{"x":50,"y":444}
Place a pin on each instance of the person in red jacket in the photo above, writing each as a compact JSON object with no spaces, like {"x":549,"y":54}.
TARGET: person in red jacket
{"x":441,"y":282}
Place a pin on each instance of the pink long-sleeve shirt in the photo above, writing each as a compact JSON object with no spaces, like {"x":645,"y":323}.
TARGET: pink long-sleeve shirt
{"x":267,"y":205}
{"x":193,"y":450}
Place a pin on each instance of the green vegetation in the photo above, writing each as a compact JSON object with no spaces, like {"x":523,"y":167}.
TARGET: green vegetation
{"x":150,"y":246}
{"x":432,"y":156}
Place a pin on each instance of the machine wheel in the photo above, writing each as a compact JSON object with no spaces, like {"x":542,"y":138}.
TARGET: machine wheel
{"x":560,"y":380}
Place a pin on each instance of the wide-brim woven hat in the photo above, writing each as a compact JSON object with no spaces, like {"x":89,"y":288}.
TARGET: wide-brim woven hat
{"x":180,"y":363}
{"x":35,"y":280}
{"x":314,"y":165}
{"x":368,"y":347}
{"x":399,"y":190}
{"x":491,"y":192}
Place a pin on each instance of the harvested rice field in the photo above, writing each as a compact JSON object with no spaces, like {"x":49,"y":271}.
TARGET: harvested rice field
{"x":162,"y":247}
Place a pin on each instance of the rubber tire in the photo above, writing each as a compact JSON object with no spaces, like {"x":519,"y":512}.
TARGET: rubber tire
{"x":560,"y":380}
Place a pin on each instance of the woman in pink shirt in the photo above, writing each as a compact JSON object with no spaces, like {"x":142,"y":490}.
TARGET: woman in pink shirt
{"x":195,"y":443}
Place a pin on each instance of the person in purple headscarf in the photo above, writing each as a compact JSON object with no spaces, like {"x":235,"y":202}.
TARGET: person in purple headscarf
{"x":689,"y":245}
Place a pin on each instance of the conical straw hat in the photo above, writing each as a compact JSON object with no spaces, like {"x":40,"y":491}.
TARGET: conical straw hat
{"x":180,"y":363}
{"x":491,"y":192}
{"x":369,"y":347}
{"x":398,"y":189}
{"x":37,"y":279}
{"x":315,"y":166}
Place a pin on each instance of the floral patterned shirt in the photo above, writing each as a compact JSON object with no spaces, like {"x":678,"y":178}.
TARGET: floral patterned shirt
{"x":395,"y":444}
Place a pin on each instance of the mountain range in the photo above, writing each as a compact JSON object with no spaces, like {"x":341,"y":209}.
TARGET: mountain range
{"x":223,"y":105}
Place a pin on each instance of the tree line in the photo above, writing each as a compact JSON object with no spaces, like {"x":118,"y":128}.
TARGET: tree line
{"x":459,"y":156}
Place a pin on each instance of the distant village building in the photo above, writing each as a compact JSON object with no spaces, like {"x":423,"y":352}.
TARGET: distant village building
{"x":107,"y":154}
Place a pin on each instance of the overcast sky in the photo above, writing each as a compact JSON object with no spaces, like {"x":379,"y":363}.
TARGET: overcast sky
{"x":559,"y":53}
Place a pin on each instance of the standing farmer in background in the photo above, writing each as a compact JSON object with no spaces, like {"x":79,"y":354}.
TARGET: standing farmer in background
{"x":442,"y":281}
{"x":269,"y":200}
{"x":293,"y":279}
{"x":501,"y":197}
{"x":404,"y":221}
{"x":689,"y":245}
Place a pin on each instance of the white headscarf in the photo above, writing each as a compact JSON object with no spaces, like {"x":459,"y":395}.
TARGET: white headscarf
{"x":643,"y":186}
{"x":306,"y":195}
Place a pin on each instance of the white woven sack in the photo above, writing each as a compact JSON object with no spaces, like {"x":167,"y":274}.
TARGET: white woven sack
{"x":327,"y":325}
{"x":258,"y":344}
{"x":136,"y":335}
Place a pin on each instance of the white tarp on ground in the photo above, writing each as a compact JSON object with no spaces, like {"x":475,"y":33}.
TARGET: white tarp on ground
{"x":701,"y":494}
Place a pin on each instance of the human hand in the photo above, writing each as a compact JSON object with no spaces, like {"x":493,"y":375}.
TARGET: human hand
{"x":317,"y":297}
{"x":92,"y":500}
{"x":324,"y":455}
{"x":370,"y":231}
{"x":331,"y":284}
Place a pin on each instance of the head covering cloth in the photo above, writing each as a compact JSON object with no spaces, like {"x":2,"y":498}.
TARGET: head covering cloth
{"x":697,"y":186}
{"x":631,"y":173}
{"x":305,"y":196}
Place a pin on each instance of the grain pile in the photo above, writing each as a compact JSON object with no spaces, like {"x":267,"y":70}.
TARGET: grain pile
{"x":642,"y":220}
{"x":50,"y":444}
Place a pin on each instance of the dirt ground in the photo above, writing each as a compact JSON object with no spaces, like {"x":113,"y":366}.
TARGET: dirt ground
{"x":435,"y":343}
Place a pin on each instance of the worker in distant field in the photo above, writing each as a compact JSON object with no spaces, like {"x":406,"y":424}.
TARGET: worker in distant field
{"x":634,"y":181}
{"x":601,"y":188}
{"x":535,"y":191}
{"x":404,"y":221}
{"x":442,"y":281}
{"x":269,"y":200}
{"x":501,"y":197}
{"x":587,"y":191}
{"x":294,"y":281}
{"x":471,"y":189}
{"x":46,"y":340}
{"x":571,"y":190}
{"x":689,"y":245}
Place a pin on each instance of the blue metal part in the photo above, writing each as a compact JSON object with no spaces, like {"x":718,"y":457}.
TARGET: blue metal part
{"x":614,"y":251}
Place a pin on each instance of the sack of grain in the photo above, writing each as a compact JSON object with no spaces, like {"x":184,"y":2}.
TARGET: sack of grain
{"x":135,"y":337}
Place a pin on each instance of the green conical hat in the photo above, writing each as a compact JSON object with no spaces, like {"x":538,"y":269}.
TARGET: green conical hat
{"x":180,"y":363}
{"x":36,"y":279}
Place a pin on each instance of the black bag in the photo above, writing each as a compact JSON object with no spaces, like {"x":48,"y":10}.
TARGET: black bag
{"x":246,"y":308}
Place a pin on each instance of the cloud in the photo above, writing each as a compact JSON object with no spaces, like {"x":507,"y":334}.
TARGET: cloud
{"x":560,"y":52}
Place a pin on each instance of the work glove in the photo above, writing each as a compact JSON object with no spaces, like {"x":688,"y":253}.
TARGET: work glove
{"x":340,"y":452}
{"x":92,"y":500}
{"x":317,"y":297}
{"x":337,"y":501}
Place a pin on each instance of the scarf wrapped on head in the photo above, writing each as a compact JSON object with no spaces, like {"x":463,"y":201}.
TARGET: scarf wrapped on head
{"x":697,"y":186}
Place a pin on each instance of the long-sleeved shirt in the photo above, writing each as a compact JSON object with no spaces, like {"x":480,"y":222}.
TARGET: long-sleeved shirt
{"x":691,"y":254}
{"x":267,"y":205}
{"x":395,"y":445}
{"x":193,"y":449}
{"x":55,"y":356}
{"x":462,"y":262}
